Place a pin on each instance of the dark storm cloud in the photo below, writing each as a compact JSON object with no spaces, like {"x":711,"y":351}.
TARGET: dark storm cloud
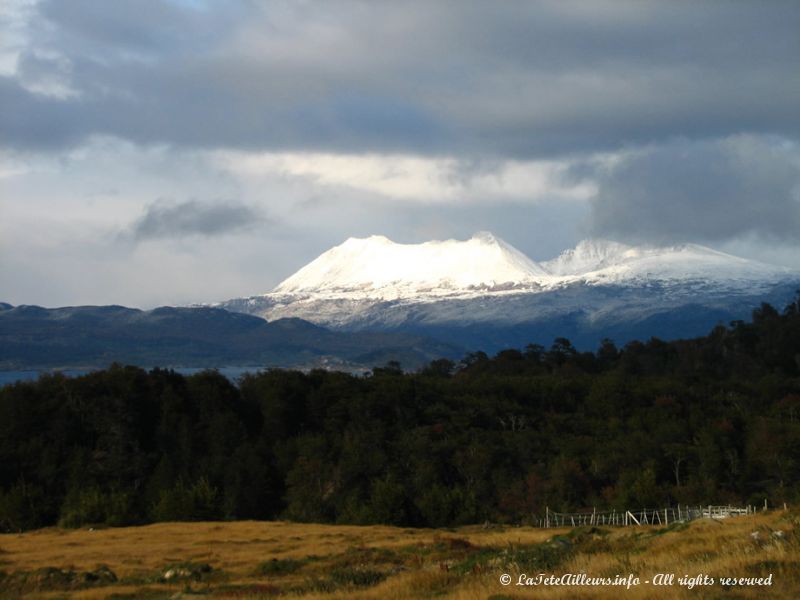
{"x":163,"y":220}
{"x":702,"y":191}
{"x":460,"y":78}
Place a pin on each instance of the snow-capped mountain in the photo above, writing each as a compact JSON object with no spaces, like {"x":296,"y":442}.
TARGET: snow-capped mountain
{"x":377,"y":267}
{"x":600,"y":261}
{"x":485,"y":285}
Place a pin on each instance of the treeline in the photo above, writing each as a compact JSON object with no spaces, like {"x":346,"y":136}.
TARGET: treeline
{"x":710,"y":420}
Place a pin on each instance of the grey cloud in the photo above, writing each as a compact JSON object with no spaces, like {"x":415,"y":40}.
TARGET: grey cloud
{"x":468,"y":78}
{"x":711,"y":191}
{"x":541,"y":230}
{"x":138,"y":30}
{"x":32,"y":121}
{"x":164,"y":220}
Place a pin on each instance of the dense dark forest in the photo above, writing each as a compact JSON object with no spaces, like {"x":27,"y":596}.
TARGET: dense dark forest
{"x":710,"y":420}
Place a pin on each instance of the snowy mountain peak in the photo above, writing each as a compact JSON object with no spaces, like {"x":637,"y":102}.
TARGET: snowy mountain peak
{"x":373,"y":282}
{"x":587,"y":256}
{"x":486,"y":237}
{"x":373,"y":240}
{"x":380,"y":268}
{"x":603,"y":261}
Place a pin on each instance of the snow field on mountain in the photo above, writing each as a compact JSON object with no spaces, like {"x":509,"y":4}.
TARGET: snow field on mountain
{"x":380,"y":269}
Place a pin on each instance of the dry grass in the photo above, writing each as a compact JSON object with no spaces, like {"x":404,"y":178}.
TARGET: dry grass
{"x":265,"y":560}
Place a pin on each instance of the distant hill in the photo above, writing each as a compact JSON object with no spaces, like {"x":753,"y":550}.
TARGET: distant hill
{"x":91,"y":336}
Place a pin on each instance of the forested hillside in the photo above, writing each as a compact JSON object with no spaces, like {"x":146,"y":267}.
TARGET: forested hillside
{"x":710,"y":420}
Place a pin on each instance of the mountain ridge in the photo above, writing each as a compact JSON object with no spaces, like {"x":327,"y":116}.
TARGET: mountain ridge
{"x":382,"y":268}
{"x":376,"y":267}
{"x":595,"y":289}
{"x":33,"y":337}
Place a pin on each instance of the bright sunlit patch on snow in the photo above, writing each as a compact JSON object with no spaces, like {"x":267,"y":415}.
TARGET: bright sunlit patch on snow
{"x":377,"y":266}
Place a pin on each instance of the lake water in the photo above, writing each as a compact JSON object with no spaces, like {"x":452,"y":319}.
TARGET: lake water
{"x":232,"y":373}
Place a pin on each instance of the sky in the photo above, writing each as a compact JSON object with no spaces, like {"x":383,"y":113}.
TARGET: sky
{"x":160,"y":152}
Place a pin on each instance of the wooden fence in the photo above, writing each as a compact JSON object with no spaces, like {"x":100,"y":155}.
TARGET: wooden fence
{"x":642,"y":516}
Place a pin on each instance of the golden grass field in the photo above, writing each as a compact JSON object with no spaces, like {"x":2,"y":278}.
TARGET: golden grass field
{"x":272,"y":559}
